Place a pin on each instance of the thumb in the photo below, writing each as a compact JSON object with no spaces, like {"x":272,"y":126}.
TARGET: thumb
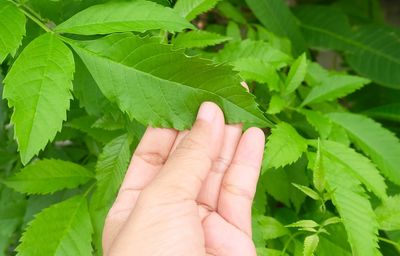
{"x":188,"y":166}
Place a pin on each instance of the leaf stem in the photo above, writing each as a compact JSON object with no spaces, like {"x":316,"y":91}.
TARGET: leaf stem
{"x":396,"y":245}
{"x":37,"y":21}
{"x":32,"y":17}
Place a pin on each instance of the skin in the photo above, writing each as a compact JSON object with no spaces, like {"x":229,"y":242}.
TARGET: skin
{"x":188,"y":193}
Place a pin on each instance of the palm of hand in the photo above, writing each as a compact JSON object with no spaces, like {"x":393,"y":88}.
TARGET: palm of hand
{"x":198,"y":202}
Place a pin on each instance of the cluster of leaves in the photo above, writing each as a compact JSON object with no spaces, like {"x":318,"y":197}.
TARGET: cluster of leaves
{"x":81,"y":79}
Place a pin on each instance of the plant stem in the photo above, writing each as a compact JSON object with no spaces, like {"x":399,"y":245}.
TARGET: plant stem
{"x":34,"y":16}
{"x":37,"y":21}
{"x":396,"y":245}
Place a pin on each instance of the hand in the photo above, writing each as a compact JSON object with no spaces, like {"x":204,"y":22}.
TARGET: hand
{"x":188,"y":193}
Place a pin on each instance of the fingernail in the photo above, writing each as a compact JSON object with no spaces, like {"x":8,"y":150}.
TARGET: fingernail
{"x":207,"y":111}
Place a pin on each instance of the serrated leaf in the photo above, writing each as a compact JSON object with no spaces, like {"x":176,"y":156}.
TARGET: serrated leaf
{"x":354,"y":208}
{"x":198,"y":39}
{"x":377,"y":54}
{"x":308,"y":191}
{"x":229,"y":11}
{"x":86,"y":124}
{"x":357,"y":164}
{"x":389,"y":112}
{"x":276,"y":104}
{"x":63,"y":229}
{"x":303,"y":224}
{"x":38,"y":88}
{"x":276,"y":16}
{"x":284,"y":146}
{"x":110,"y":170}
{"x":87,"y":91}
{"x":380,"y":144}
{"x":388,"y":214}
{"x":191,"y":8}
{"x":259,"y":71}
{"x":114,"y":17}
{"x":324,"y":27}
{"x":250,"y":49}
{"x":137,"y":74}
{"x":333,"y":87}
{"x":269,"y":227}
{"x":296,"y":74}
{"x":320,"y":122}
{"x":278,"y":183}
{"x":12,"y":28}
{"x":310,"y":245}
{"x":12,"y":210}
{"x":332,"y":220}
{"x":319,"y":170}
{"x":48,"y":176}
{"x":372,"y":50}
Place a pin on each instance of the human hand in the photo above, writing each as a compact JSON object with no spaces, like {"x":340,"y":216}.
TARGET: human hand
{"x":188,"y":193}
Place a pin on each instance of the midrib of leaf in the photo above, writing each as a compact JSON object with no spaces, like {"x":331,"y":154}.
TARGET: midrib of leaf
{"x":40,"y":91}
{"x":119,"y":22}
{"x":352,"y":42}
{"x":195,"y":89}
{"x":69,"y":224}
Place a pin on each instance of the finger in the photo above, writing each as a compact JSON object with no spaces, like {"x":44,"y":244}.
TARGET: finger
{"x":147,"y":160}
{"x":209,"y":192}
{"x":233,"y":243}
{"x":178,"y":140}
{"x":240,"y":181}
{"x":187,"y":167}
{"x":150,"y":155}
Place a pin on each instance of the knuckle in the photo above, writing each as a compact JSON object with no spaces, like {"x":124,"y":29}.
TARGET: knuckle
{"x":151,"y":158}
{"x":238,"y":191}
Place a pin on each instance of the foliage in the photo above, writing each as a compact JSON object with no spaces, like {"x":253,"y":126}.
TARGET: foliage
{"x":80,"y":80}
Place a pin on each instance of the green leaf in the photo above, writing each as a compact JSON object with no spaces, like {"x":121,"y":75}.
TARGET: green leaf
{"x":324,"y":27}
{"x":357,"y":164}
{"x":87,"y":91}
{"x":279,"y":183}
{"x":12,"y":28}
{"x":331,"y":221}
{"x":333,"y":87}
{"x":191,"y":8}
{"x":389,"y":112}
{"x":296,"y":74}
{"x":372,"y":50}
{"x":377,"y":54}
{"x":320,"y":122}
{"x":86,"y":124}
{"x":231,"y":12}
{"x":114,"y":17}
{"x":269,"y":227}
{"x":380,"y":144}
{"x":249,"y":49}
{"x":41,"y":95}
{"x":269,"y":252}
{"x":259,"y":71}
{"x":47,"y":176}
{"x":276,"y":104}
{"x":303,"y":224}
{"x":155,"y":91}
{"x":310,"y":245}
{"x":198,"y":39}
{"x":62,"y":229}
{"x":388,"y":214}
{"x":276,"y":16}
{"x":319,"y":170}
{"x":308,"y":191}
{"x":110,"y":170}
{"x":12,"y":210}
{"x":354,"y":208}
{"x":284,"y":146}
